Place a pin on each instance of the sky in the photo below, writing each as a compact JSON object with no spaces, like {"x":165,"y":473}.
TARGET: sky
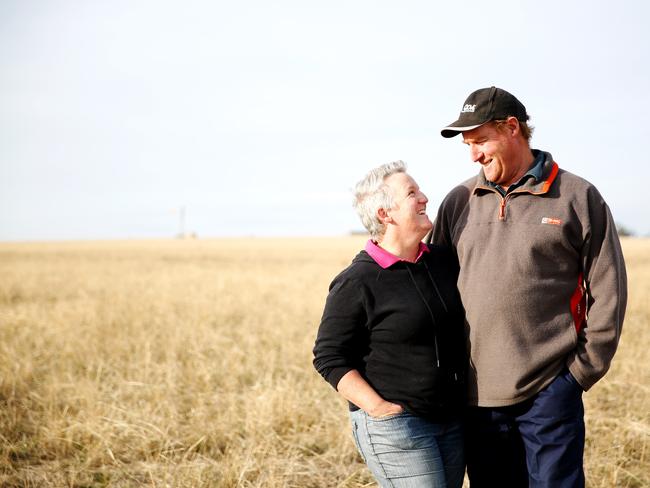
{"x":256,"y":118}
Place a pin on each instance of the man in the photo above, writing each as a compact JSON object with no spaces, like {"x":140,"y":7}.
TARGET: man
{"x":543,"y":284}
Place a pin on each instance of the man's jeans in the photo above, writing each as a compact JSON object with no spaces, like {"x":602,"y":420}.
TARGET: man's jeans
{"x":406,"y":451}
{"x":538,"y":443}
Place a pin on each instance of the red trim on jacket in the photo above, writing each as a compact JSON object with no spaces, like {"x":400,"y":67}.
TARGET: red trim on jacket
{"x":579,"y":304}
{"x":551,"y":177}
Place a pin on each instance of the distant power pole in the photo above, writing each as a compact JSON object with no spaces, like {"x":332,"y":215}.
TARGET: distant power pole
{"x":181,"y":232}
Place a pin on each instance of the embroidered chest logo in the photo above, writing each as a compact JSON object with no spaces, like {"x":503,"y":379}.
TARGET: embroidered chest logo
{"x":468,"y":108}
{"x":552,"y":221}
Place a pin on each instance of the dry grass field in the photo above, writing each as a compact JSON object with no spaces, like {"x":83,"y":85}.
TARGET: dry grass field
{"x":188,"y":364}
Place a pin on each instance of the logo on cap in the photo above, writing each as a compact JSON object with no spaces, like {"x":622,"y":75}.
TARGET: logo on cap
{"x":468,"y":108}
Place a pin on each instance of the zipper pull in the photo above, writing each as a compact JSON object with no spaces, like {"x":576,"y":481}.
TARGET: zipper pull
{"x":502,"y":209}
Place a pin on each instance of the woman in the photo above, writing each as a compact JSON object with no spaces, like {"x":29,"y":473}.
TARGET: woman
{"x":391,"y":340}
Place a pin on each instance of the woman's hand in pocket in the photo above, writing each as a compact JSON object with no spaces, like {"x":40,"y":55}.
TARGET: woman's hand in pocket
{"x":385,"y":409}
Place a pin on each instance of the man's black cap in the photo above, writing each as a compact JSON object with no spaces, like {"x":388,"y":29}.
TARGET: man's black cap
{"x":484,"y":105}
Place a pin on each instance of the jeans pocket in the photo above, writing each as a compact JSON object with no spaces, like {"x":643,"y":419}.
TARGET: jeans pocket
{"x":357,"y":441}
{"x":387,"y":417}
{"x":408,"y":450}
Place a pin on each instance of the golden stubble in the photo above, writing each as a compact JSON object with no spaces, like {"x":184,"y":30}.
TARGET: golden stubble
{"x":187,"y":363}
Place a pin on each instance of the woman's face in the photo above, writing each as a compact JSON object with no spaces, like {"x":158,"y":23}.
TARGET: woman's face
{"x":409,"y":206}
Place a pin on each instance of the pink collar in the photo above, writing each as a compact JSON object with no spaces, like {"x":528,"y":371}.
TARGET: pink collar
{"x":385,"y":259}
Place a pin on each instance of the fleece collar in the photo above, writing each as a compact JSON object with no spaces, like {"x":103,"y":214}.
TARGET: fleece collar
{"x":537,"y":185}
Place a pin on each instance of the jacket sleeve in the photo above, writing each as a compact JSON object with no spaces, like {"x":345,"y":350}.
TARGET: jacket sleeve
{"x":605,"y":281}
{"x":342,"y":339}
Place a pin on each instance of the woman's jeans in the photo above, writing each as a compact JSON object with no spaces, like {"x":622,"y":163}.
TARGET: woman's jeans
{"x":406,"y":451}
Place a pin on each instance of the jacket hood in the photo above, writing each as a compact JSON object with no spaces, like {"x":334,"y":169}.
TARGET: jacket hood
{"x":363,"y":257}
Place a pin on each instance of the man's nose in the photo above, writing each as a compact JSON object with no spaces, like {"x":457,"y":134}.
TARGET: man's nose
{"x":475,"y":153}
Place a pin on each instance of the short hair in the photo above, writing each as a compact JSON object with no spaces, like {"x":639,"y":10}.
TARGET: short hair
{"x":372,"y":193}
{"x":526,"y":130}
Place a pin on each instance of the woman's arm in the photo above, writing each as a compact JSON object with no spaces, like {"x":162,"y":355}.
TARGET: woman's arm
{"x":340,"y":345}
{"x":355,"y":389}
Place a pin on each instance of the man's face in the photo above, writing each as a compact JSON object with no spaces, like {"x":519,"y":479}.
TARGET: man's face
{"x":494,"y":150}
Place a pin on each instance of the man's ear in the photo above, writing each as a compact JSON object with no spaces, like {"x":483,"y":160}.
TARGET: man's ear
{"x":383,"y":216}
{"x":513,"y":125}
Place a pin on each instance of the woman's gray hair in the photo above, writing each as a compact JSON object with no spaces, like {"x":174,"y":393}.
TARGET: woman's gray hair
{"x":372,"y":193}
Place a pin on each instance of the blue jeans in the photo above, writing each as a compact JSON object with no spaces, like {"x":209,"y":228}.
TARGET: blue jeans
{"x":538,"y":443}
{"x":406,"y":451}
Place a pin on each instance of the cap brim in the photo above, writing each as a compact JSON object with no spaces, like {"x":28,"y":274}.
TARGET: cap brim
{"x":451,"y":130}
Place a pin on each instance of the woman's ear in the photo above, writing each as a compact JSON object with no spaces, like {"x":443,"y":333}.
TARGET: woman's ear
{"x":383,"y":216}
